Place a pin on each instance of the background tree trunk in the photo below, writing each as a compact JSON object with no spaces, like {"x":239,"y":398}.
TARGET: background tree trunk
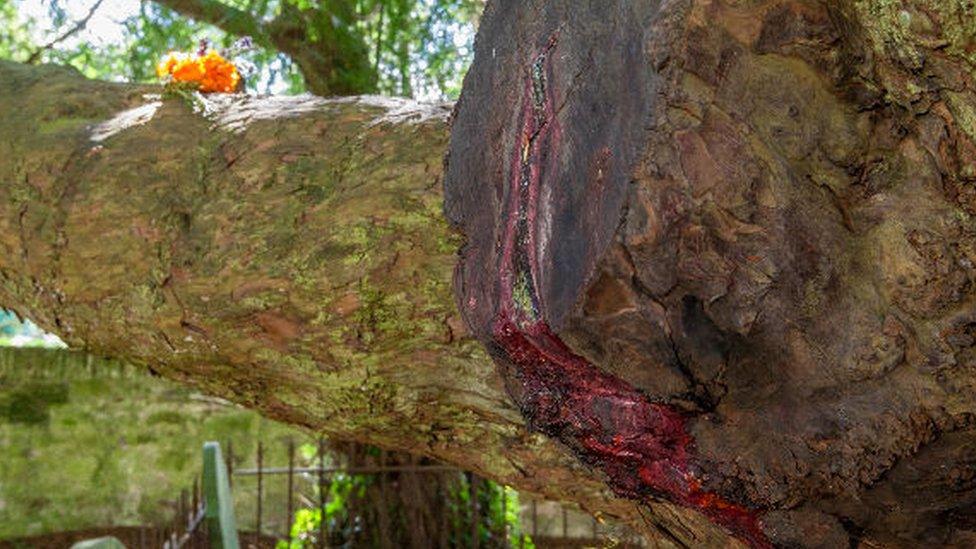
{"x":725,"y":252}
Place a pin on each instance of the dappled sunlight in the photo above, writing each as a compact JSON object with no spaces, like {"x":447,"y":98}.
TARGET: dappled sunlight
{"x":235,"y":112}
{"x":124,"y":120}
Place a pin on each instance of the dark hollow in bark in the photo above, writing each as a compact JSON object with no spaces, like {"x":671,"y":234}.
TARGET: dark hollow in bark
{"x":725,"y":253}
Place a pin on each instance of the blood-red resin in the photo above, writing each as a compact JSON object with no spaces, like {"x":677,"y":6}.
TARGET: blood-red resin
{"x":643,"y":446}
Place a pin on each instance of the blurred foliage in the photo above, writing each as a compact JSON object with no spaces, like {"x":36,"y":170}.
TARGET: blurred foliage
{"x":30,"y":403}
{"x":15,"y":36}
{"x":352,"y":501}
{"x":415,"y":48}
{"x":100,"y":444}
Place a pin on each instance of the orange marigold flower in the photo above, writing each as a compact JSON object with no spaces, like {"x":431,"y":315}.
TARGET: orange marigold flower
{"x":166,"y":66}
{"x":211,"y":72}
{"x":188,"y":71}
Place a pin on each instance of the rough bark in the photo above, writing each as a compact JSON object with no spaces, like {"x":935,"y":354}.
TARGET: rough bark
{"x":287,"y":254}
{"x":739,"y":278}
{"x":725,"y":252}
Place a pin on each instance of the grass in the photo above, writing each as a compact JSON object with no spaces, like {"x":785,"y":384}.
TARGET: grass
{"x":105,"y":447}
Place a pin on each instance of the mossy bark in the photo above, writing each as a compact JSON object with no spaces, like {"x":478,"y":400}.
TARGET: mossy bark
{"x":287,"y":254}
{"x":765,"y":224}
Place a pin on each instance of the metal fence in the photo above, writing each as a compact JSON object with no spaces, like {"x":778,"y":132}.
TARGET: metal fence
{"x":319,"y":476}
{"x":272,"y":488}
{"x":188,"y":527}
{"x":307,"y":486}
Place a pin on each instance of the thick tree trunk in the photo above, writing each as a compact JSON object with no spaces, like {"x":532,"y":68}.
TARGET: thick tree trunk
{"x":722,"y":251}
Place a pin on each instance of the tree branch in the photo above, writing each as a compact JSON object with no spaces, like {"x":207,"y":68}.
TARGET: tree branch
{"x":227,"y":18}
{"x":287,"y":254}
{"x":81,"y":24}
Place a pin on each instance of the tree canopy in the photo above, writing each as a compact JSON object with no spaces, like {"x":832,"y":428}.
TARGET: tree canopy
{"x":410,"y":48}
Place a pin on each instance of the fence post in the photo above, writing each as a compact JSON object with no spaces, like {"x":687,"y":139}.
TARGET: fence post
{"x":384,"y":516}
{"x":321,"y":492}
{"x":183,"y":525}
{"x":291,"y":487}
{"x":475,"y":517}
{"x":195,"y":509}
{"x":535,"y":520}
{"x":219,"y":513}
{"x":446,"y":522}
{"x":260,"y":484}
{"x":230,"y":462}
{"x":504,"y":515}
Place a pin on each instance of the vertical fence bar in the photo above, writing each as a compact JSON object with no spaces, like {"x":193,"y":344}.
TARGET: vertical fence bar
{"x":475,"y":519}
{"x":535,"y":520}
{"x":203,"y":537}
{"x":174,"y":528}
{"x":260,"y":485}
{"x":565,"y":526}
{"x":460,"y":514}
{"x":196,"y":511}
{"x":521,"y":533}
{"x":321,"y":492}
{"x":230,"y":463}
{"x":444,"y":539}
{"x":184,"y":522}
{"x":504,"y":515}
{"x":291,"y":487}
{"x":384,"y":507}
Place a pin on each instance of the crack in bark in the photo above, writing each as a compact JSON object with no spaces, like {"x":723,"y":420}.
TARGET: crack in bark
{"x":699,"y":393}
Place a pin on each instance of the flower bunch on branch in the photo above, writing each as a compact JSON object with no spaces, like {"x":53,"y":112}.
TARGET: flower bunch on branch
{"x":208,"y":71}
